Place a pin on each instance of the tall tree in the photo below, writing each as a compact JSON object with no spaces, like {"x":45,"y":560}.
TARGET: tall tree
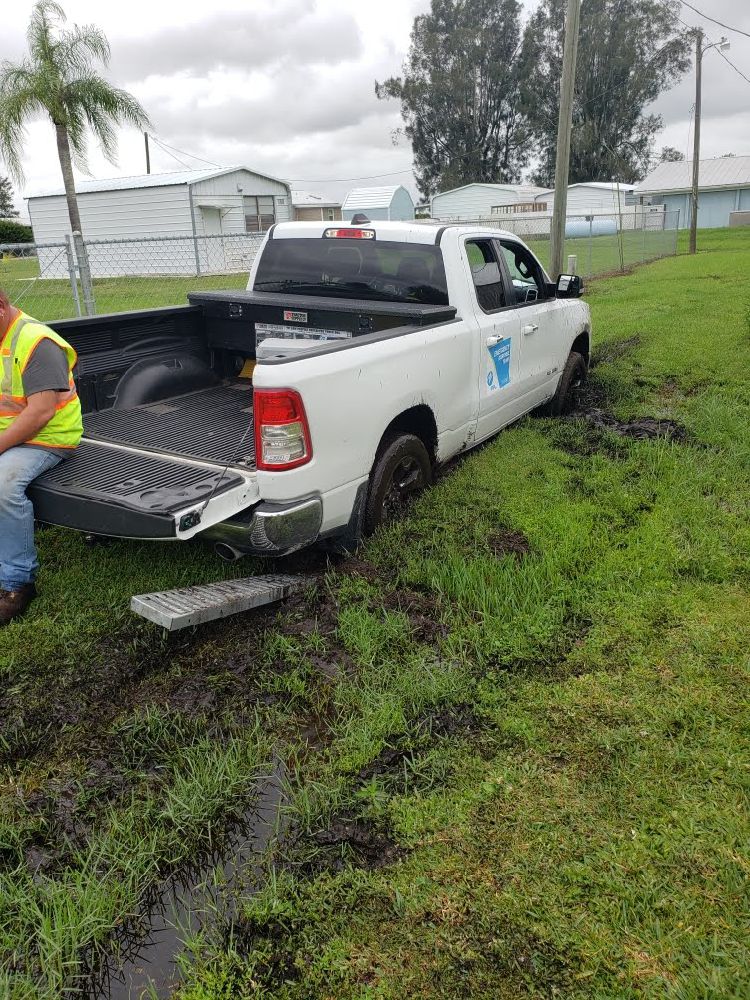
{"x":57,"y":81}
{"x":7,"y":208}
{"x":670,"y":155}
{"x":460,"y":94}
{"x":628,"y":53}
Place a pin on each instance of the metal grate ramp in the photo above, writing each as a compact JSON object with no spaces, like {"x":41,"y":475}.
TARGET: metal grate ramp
{"x":214,"y":424}
{"x":176,"y":609}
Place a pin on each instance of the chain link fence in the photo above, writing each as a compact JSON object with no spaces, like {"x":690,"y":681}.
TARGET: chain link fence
{"x":602,"y":244}
{"x":51,"y":280}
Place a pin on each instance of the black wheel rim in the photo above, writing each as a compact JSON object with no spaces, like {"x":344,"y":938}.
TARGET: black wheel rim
{"x":407,"y":479}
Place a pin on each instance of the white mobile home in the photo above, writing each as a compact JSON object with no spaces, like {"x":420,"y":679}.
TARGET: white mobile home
{"x":190,"y":204}
{"x":485,"y":201}
{"x":594,"y":198}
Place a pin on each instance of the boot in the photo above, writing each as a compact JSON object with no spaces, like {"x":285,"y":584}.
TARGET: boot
{"x":13,"y":603}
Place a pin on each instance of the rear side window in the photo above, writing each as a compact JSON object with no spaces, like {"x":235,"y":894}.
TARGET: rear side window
{"x":486,"y":275}
{"x":354,"y":268}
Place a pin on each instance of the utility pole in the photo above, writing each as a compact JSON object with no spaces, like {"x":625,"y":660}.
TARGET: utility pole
{"x":696,"y":141}
{"x":700,"y":51}
{"x":564,"y":125}
{"x":148,"y":154}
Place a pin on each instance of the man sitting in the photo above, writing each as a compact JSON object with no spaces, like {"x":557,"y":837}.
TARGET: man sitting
{"x":40,"y":423}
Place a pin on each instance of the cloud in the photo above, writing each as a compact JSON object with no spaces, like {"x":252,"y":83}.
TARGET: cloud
{"x":299,"y":101}
{"x":292,"y":34}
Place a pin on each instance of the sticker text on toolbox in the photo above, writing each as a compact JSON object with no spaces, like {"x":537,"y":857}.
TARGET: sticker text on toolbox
{"x":290,"y":316}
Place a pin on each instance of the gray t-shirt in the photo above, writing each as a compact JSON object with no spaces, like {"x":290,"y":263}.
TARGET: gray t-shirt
{"x":47,"y":369}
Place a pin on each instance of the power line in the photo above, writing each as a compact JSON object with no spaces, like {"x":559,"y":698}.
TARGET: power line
{"x":165,"y":150}
{"x":182,"y":151}
{"x":721,"y":24}
{"x":294,"y":180}
{"x":735,"y":68}
{"x":339,"y":180}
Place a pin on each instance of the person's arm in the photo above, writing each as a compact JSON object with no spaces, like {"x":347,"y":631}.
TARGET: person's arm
{"x":38,"y":412}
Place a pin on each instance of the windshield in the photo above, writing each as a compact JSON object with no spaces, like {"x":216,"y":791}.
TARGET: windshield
{"x":354,"y":268}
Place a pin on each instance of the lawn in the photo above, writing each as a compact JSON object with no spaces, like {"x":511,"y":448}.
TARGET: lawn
{"x":52,"y":298}
{"x":514,"y":730}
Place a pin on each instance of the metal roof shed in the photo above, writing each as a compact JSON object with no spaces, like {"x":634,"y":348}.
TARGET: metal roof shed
{"x":191,"y":204}
{"x":394,"y":203}
{"x":723,"y":188}
{"x":478,"y":200}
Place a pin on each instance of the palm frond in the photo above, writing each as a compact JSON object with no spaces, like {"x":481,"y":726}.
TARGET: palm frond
{"x":104,"y":107}
{"x":40,"y":32}
{"x":21,"y":98}
{"x":78,"y":45}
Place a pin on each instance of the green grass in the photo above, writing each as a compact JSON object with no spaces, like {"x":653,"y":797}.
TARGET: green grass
{"x":585,"y":837}
{"x":52,"y":298}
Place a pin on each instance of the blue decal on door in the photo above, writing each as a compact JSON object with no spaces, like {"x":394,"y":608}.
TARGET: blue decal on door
{"x":500,"y":354}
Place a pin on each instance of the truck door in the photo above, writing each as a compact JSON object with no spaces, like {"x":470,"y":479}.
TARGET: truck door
{"x":499,"y":333}
{"x":538,"y":311}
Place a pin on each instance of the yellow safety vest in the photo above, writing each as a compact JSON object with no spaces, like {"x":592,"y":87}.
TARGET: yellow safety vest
{"x":22,"y":338}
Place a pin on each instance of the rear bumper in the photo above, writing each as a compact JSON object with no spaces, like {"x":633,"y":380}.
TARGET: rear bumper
{"x":271,"y":529}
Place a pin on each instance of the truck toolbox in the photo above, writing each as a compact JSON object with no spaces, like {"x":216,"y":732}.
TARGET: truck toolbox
{"x":231,"y":316}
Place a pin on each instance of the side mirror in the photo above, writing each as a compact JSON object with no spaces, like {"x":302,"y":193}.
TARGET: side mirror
{"x":569,"y":286}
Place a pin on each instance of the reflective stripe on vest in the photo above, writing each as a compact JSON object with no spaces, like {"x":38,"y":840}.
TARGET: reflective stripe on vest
{"x":22,"y":338}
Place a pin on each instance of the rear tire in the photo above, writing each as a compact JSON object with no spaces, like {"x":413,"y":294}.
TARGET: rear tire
{"x":569,"y":387}
{"x":402,"y":470}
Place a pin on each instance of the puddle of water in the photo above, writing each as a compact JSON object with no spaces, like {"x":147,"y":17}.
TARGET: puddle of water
{"x":147,"y":962}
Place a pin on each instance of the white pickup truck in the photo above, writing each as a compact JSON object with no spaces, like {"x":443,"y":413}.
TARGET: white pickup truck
{"x":311,"y":406}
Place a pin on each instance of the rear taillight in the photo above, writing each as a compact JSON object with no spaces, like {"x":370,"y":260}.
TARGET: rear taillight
{"x":349,"y":234}
{"x":282,"y":435}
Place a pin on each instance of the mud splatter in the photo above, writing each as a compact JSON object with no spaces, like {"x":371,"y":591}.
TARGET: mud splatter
{"x":640,"y":429}
{"x":422,"y":610}
{"x":509,"y":543}
{"x":359,"y":841}
{"x":605,"y":354}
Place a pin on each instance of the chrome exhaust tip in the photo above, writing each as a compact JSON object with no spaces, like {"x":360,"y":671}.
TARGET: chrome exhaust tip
{"x":228,"y":552}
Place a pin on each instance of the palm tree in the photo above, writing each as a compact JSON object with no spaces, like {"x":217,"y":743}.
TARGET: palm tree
{"x":57,"y":80}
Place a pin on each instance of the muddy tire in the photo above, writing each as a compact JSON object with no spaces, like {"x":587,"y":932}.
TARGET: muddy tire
{"x":402,"y":470}
{"x":568,"y":389}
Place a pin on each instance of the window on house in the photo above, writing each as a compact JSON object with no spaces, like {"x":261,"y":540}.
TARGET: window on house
{"x":331,"y":214}
{"x":260,"y":213}
{"x":519,"y":209}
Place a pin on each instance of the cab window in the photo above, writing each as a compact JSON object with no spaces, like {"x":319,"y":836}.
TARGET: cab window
{"x":486,"y":274}
{"x":526,"y":274}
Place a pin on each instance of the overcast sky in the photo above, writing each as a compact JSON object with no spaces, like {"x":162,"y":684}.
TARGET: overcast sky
{"x":285,"y":87}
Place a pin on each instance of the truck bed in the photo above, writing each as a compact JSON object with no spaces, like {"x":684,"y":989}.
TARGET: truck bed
{"x":214,"y":424}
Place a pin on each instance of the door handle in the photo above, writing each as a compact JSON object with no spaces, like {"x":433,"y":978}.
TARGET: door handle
{"x":530,"y":328}
{"x":493,"y":341}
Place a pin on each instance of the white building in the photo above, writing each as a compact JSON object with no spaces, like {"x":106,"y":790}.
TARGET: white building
{"x":485,"y":201}
{"x":492,"y":201}
{"x":594,"y":198}
{"x":189,"y":204}
{"x":393,"y":202}
{"x":723,"y":189}
{"x":310,"y":207}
